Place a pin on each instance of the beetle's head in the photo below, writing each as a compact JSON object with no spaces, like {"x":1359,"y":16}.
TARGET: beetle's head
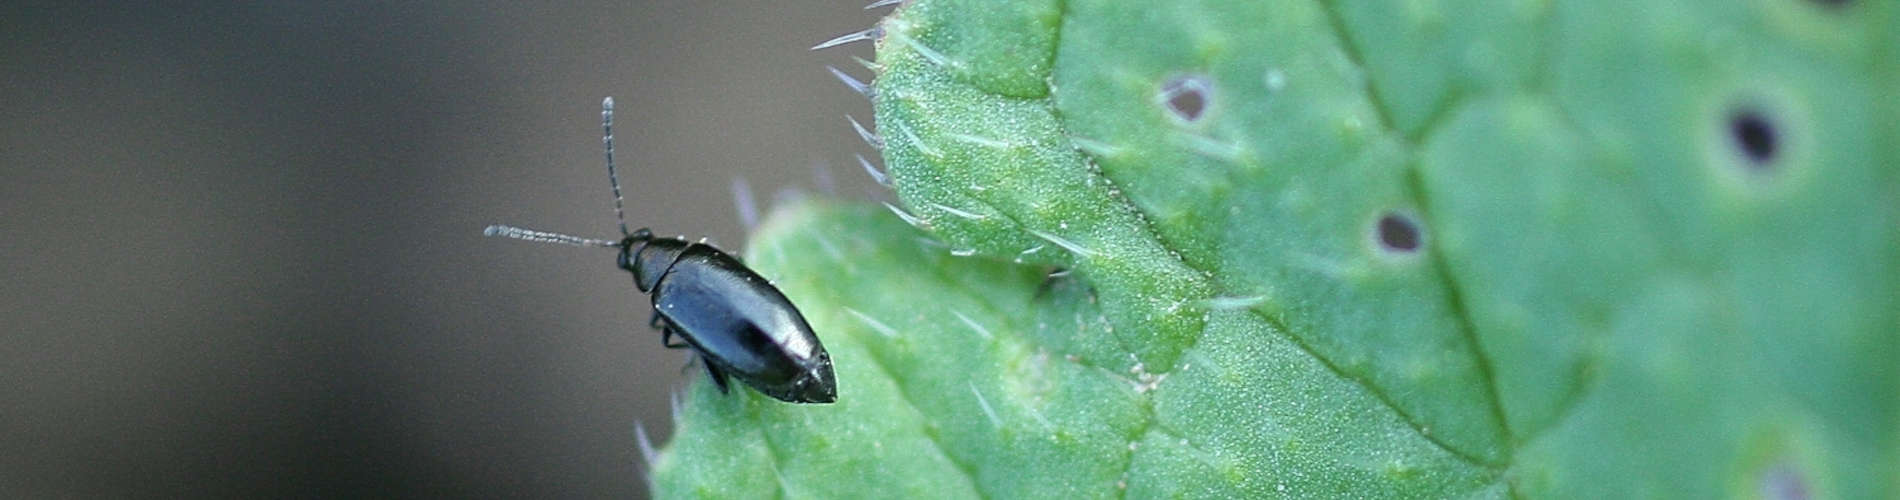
{"x":630,"y":248}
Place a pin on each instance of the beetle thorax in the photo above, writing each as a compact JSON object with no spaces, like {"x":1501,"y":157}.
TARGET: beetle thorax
{"x":648,"y":258}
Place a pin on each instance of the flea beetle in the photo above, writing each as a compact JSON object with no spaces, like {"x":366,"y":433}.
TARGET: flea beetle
{"x":740,"y":325}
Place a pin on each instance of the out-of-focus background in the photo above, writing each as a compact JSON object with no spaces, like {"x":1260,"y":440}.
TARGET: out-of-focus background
{"x":242,"y":242}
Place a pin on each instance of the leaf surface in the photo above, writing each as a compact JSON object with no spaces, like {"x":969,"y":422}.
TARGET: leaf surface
{"x":1350,"y":248}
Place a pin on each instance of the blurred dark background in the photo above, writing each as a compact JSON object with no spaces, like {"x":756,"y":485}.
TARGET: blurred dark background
{"x":243,"y":242}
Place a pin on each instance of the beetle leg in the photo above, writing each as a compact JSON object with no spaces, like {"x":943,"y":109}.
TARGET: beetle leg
{"x":718,"y":377}
{"x":666,"y":339}
{"x":666,"y":331}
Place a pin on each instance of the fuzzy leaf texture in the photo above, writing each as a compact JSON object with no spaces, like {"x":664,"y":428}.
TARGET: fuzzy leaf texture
{"x":1359,"y":248}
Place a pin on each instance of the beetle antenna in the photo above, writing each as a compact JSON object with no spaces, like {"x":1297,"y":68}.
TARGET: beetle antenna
{"x":546,"y":237}
{"x":613,"y":177}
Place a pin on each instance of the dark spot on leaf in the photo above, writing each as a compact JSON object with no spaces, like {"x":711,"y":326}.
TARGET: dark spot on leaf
{"x":1756,"y":136}
{"x":1186,"y":97}
{"x":1063,"y":285}
{"x":1398,"y":233}
{"x":1052,"y":280}
{"x":1834,"y":4}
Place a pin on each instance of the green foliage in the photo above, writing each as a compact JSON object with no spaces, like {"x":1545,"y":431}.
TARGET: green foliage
{"x":1431,"y":249}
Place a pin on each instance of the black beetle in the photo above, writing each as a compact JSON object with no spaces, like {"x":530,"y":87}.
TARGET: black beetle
{"x":739,"y":324}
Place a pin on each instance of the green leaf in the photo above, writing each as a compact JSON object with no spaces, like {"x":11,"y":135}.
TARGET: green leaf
{"x":1349,"y":248}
